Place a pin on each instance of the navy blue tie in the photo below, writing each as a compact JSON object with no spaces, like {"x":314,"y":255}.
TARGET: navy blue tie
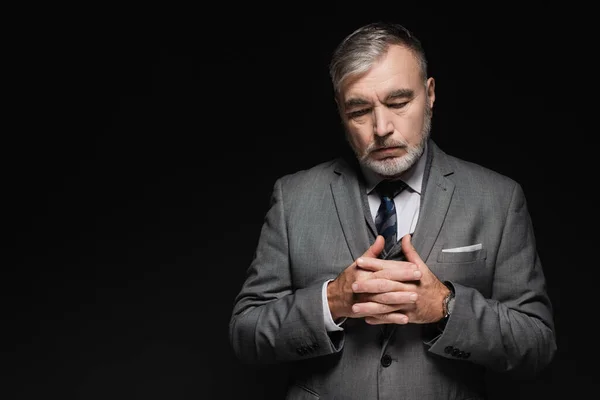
{"x":385,"y":221}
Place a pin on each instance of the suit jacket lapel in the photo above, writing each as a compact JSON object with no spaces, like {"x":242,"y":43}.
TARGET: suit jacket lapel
{"x":348,"y":199}
{"x":436,"y":200}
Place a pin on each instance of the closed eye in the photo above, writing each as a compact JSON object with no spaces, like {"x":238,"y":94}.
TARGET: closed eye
{"x":365,"y":111}
{"x":358,"y":113}
{"x":398,"y":106}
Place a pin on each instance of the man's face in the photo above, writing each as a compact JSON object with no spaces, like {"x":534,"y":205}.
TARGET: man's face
{"x":387,"y":113}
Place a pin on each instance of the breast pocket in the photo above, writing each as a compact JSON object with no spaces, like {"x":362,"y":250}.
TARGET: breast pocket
{"x":468,"y":268}
{"x":465,"y":256}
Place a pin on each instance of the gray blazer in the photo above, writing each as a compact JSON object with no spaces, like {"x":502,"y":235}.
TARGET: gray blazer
{"x":317,"y":226}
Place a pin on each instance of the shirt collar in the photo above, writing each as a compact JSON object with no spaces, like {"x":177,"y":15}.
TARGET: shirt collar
{"x":413,"y":177}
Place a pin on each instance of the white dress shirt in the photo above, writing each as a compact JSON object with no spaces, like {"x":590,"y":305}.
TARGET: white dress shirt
{"x":407,"y":205}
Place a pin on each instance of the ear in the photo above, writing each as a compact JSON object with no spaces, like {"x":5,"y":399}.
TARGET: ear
{"x":430,"y":88}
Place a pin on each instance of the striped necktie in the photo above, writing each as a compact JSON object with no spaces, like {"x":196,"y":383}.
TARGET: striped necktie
{"x":385,"y":221}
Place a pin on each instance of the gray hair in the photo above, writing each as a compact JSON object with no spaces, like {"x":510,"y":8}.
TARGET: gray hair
{"x":358,"y":51}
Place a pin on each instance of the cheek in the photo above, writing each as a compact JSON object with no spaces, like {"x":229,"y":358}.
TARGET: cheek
{"x":409,"y":128}
{"x":359,"y":138}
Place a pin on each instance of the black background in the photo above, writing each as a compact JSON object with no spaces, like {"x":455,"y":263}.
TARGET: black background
{"x":143,"y":145}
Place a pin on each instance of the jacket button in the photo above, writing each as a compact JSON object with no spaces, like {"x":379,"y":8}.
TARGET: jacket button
{"x":386,"y":360}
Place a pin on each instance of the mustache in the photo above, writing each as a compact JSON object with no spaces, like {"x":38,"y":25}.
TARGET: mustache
{"x":377,"y":144}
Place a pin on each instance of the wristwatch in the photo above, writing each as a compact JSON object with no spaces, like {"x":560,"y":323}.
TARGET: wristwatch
{"x":448,"y":303}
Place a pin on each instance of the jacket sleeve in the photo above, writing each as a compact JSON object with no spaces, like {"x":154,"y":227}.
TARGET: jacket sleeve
{"x":513,"y":331}
{"x":272,"y":322}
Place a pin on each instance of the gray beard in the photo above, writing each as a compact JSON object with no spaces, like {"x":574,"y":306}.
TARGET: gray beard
{"x":392,"y":167}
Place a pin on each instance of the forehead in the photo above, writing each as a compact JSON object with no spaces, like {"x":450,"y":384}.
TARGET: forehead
{"x":397,"y":69}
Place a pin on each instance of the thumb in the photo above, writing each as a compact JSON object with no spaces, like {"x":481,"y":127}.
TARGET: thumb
{"x":376,"y":248}
{"x":410,"y":252}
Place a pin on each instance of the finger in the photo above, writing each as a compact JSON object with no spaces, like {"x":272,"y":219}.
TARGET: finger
{"x":380,"y":286}
{"x":375,"y":321}
{"x":377,"y":264}
{"x":389,"y":318}
{"x":372,"y":264}
{"x":376,"y":248}
{"x":394,"y":298}
{"x":410,"y":252}
{"x":400,"y":272}
{"x":372,"y":308}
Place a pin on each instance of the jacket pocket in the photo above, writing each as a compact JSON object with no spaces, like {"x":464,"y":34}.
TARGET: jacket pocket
{"x":461,"y":257}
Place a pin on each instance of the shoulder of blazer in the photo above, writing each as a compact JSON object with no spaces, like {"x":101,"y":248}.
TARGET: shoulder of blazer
{"x":323,"y":172}
{"x":312,"y":178}
{"x":448,"y":165}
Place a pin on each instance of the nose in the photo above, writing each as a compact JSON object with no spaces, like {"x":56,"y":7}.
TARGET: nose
{"x":382,"y":123}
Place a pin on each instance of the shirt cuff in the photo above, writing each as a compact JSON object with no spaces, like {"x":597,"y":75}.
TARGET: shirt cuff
{"x":330,"y":325}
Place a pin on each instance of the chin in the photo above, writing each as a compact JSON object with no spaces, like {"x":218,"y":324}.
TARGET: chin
{"x":390,"y":166}
{"x":394,"y":166}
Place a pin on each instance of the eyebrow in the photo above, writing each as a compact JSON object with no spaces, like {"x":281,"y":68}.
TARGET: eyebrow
{"x":400,"y":94}
{"x":393,"y":95}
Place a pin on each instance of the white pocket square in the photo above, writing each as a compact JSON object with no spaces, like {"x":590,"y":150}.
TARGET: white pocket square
{"x":464,"y":249}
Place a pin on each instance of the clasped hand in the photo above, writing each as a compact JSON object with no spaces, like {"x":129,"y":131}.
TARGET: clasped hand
{"x":387,"y":291}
